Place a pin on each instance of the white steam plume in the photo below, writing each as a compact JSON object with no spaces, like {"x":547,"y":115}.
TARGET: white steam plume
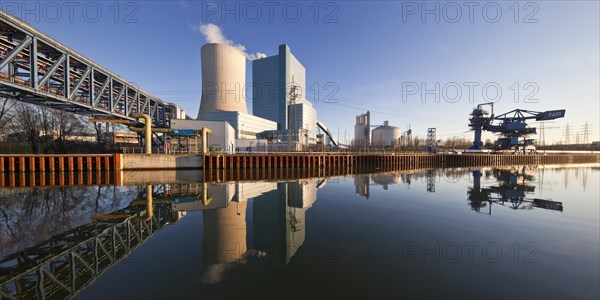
{"x":213,"y":34}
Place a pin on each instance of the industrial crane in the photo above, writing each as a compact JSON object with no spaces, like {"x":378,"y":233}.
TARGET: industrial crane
{"x":510,"y":125}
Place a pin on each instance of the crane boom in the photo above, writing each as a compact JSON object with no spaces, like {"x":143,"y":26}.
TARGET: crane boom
{"x":510,"y":125}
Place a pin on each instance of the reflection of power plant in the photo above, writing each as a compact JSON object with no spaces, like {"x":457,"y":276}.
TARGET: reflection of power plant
{"x":511,"y":189}
{"x":224,"y":234}
{"x":62,"y":266}
{"x":279,"y":215}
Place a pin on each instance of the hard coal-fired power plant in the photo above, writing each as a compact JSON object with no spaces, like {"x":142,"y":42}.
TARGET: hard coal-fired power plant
{"x":223,"y":80}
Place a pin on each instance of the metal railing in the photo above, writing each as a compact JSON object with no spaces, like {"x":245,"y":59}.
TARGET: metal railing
{"x":156,"y":150}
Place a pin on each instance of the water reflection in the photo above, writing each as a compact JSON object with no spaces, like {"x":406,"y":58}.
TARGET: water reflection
{"x":66,"y":263}
{"x":506,"y":186}
{"x":362,"y":182}
{"x":240,"y":220}
{"x":29,"y":216}
{"x":511,"y":188}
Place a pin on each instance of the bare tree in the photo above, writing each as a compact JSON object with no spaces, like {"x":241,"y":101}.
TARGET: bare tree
{"x":27,"y":123}
{"x":98,"y":129}
{"x":62,"y":125}
{"x":6,"y":111}
{"x":32,"y":123}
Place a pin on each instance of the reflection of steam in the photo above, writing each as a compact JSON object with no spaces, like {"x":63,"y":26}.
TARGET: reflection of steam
{"x":215,"y":272}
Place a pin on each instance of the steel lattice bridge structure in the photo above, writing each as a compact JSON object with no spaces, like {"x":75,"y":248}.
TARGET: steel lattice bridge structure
{"x":63,"y":266}
{"x":37,"y":69}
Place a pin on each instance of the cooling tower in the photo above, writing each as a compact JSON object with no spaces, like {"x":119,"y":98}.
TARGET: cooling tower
{"x":223,"y":80}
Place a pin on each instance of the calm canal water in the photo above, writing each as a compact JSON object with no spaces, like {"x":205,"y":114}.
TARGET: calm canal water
{"x":510,"y":232}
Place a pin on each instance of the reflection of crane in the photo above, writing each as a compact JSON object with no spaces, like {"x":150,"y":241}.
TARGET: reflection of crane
{"x":510,"y":125}
{"x":511,"y":190}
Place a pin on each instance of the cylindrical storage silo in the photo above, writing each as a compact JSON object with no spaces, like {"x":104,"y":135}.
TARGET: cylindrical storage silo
{"x":386,"y":136}
{"x":223,"y":80}
{"x":360,"y":135}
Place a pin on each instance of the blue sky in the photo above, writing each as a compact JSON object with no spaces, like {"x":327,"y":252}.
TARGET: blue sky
{"x":373,"y":52}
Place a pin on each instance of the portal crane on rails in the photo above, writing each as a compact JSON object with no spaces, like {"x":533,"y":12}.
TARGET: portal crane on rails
{"x":511,"y":126}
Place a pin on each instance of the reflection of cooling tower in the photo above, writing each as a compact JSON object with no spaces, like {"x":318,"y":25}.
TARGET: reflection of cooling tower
{"x":223,"y":80}
{"x":224,"y":238}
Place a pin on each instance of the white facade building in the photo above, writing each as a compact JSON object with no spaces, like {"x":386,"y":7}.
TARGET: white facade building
{"x":222,"y":136}
{"x":246,"y":125}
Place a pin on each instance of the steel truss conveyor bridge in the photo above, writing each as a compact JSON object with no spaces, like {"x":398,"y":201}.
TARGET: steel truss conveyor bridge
{"x":37,"y":69}
{"x":69,"y":262}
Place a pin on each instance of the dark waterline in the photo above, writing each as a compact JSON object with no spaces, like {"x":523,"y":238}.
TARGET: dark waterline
{"x":512,"y":232}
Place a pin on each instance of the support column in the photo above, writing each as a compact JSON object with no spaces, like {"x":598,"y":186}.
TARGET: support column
{"x":98,"y":163}
{"x":21,"y":163}
{"x":12,"y":180}
{"x":42,"y":164}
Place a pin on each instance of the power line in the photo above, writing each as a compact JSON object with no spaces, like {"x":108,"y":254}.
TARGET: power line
{"x":586,"y":133}
{"x":567,"y":134}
